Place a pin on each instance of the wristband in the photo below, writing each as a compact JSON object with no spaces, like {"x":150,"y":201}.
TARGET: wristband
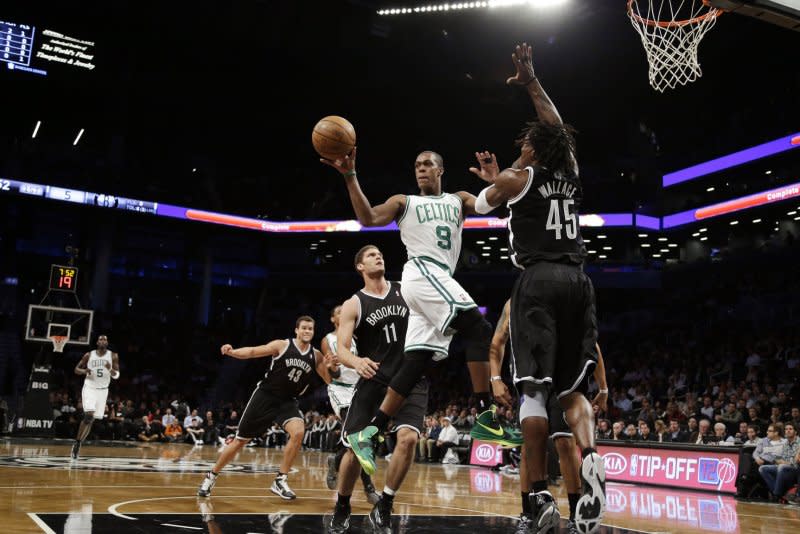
{"x":349,"y":173}
{"x":601,"y":391}
{"x":495,"y":378}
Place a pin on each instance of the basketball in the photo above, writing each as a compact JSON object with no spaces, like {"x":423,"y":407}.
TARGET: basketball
{"x":333,"y":137}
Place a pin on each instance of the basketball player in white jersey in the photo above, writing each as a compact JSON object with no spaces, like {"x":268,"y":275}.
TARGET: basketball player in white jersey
{"x":340,"y":393}
{"x":99,"y":367}
{"x":430,"y":227}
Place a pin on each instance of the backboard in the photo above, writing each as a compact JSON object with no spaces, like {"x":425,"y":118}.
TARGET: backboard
{"x":44,"y":321}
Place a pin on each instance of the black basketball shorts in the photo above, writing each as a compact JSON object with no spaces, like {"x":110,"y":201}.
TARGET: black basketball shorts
{"x":367,"y":399}
{"x":262,"y":410}
{"x":553,"y":328}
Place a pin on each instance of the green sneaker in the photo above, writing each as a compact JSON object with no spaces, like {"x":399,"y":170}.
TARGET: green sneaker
{"x":488,"y":429}
{"x":362,"y":444}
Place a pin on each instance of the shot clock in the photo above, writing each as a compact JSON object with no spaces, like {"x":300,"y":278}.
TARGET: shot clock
{"x":63,"y":278}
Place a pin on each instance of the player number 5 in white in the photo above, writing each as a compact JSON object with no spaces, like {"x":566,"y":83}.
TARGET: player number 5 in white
{"x":554,"y":218}
{"x":393,"y":337}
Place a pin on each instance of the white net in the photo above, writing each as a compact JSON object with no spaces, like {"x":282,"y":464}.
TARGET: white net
{"x":671,"y":31}
{"x":59,"y":342}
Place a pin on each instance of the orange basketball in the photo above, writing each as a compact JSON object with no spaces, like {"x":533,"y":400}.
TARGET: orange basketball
{"x":333,"y":137}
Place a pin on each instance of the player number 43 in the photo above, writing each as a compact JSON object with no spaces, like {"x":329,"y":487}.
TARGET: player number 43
{"x":295,"y":374}
{"x":560,"y":211}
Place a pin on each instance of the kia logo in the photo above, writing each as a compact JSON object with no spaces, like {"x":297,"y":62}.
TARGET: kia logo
{"x":484,"y":483}
{"x":484,"y":452}
{"x":615,"y":463}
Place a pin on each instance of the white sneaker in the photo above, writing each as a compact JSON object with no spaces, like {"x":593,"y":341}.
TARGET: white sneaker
{"x":207,"y":485}
{"x":388,"y":457}
{"x":281,"y":488}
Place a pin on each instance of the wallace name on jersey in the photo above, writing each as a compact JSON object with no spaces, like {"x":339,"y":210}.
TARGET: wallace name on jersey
{"x":557,"y":189}
{"x":392,"y":310}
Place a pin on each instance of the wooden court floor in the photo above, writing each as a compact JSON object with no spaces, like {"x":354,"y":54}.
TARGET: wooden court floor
{"x":151,"y":488}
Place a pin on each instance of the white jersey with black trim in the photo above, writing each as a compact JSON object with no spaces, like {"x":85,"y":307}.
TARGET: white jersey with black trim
{"x":99,"y":376}
{"x":430,"y":228}
{"x":348,"y":375}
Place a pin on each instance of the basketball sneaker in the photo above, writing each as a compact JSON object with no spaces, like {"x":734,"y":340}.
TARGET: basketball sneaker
{"x":546,"y":515}
{"x":488,"y":429}
{"x":592,"y":504}
{"x":372,"y":494}
{"x":281,"y":488}
{"x":381,"y":519}
{"x":572,"y":528}
{"x":524,"y":524}
{"x":330,"y":479}
{"x":76,"y":449}
{"x":207,"y":485}
{"x":340,"y":522}
{"x":362,"y":444}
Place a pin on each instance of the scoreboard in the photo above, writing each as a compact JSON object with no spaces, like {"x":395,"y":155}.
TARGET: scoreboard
{"x":16,"y":43}
{"x":24,"y":48}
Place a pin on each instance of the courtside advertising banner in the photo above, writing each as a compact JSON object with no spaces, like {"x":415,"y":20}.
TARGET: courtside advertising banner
{"x":701,"y":470}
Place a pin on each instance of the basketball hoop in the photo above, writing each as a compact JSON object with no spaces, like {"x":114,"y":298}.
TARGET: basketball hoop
{"x":59,"y":342}
{"x":671,"y":31}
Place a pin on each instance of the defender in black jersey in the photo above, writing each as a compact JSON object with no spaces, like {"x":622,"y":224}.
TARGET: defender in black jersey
{"x":553,"y":324}
{"x":275,"y":400}
{"x":377,"y":318}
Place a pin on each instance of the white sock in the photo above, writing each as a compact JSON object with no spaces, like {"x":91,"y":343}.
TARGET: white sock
{"x":388,"y":491}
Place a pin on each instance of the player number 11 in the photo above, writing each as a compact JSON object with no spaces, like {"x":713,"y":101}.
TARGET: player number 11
{"x":386,"y":329}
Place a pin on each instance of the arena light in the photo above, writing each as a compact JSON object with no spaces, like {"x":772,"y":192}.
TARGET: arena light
{"x":673,"y":245}
{"x":78,"y":138}
{"x":643,"y":236}
{"x":493,"y":238}
{"x":36,"y":129}
{"x":756,"y":221}
{"x":462,"y":6}
{"x":606,"y":248}
{"x":601,"y":236}
{"x":790,"y":213}
{"x":662,"y":239}
{"x":709,"y":189}
{"x":733,"y":223}
{"x":592,"y":252}
{"x":602,"y":256}
{"x":664,"y":251}
{"x":656,"y":255}
{"x":645,"y":245}
{"x":587,"y":240}
{"x":696,"y":234}
{"x":704,"y":238}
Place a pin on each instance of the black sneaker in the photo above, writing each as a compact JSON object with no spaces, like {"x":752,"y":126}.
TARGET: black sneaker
{"x":76,"y":449}
{"x":524,"y":524}
{"x":372,"y":494}
{"x":546,"y":515}
{"x":380,"y":519}
{"x":592,"y":504}
{"x":572,"y":528}
{"x":330,"y":479}
{"x":207,"y":485}
{"x":281,"y":488}
{"x":340,"y":523}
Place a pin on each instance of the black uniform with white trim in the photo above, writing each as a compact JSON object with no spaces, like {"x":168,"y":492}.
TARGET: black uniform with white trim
{"x":275,"y":396}
{"x":552,"y":321}
{"x":381,"y":331}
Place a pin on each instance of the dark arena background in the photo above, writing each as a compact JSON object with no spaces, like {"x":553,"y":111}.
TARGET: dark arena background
{"x":158,"y":186}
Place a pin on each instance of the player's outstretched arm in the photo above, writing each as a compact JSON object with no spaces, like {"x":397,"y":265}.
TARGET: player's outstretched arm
{"x":504,"y":185}
{"x":368,"y":215}
{"x":81,"y":368}
{"x":525,"y":77}
{"x":330,"y":359}
{"x":272,"y":349}
{"x":344,"y":340}
{"x":601,"y":399}
{"x":497,"y":352}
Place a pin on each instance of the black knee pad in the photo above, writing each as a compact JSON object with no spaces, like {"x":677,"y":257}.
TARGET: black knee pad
{"x":415,"y":363}
{"x":477,"y":333}
{"x":88,"y":418}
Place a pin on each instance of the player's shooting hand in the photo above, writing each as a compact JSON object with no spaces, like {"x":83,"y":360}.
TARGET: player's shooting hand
{"x":522,"y":58}
{"x":225,"y":349}
{"x":601,"y":401}
{"x":489,"y":169}
{"x":343,"y":165}
{"x":366,"y":368}
{"x":501,"y":393}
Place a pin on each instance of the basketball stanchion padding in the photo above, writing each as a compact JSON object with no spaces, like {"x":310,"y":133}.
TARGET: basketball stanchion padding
{"x":671,"y":31}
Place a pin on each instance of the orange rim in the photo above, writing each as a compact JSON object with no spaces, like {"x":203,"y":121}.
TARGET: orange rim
{"x":675,"y":23}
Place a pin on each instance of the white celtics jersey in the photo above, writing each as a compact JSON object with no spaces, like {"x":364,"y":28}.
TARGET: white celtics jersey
{"x":348,"y":375}
{"x":430,"y":228}
{"x":100,"y":376}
